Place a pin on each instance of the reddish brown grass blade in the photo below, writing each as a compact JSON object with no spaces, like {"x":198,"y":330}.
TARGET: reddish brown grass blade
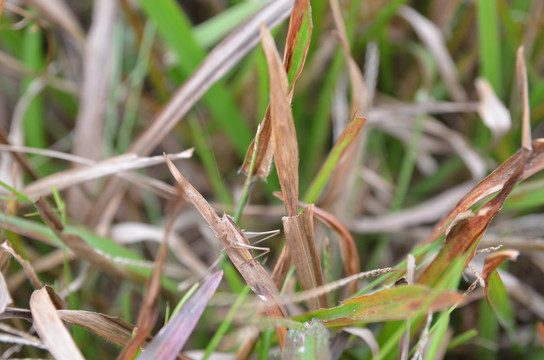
{"x":533,"y":162}
{"x":493,"y":261}
{"x":347,"y":244}
{"x":50,"y":327}
{"x":284,"y":139}
{"x":465,"y":235}
{"x":401,"y":302}
{"x":348,"y":249}
{"x":540,"y":327}
{"x":75,"y":243}
{"x":299,"y":234}
{"x":296,"y":49}
{"x":167,"y":344}
{"x":237,"y":247}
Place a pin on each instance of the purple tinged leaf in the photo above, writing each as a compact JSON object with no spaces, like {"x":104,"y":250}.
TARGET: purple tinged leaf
{"x":171,"y":338}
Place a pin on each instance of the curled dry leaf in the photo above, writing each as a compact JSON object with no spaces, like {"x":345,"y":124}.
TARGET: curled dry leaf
{"x":299,"y":234}
{"x":462,"y":239}
{"x":367,"y":336}
{"x":284,"y":138}
{"x":348,"y":249}
{"x":296,"y":49}
{"x":238,"y":249}
{"x":493,"y":261}
{"x":51,"y":328}
{"x":532,"y":162}
{"x":491,"y":109}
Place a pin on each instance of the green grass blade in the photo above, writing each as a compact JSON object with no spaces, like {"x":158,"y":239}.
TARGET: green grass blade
{"x":225,"y":324}
{"x":176,"y":30}
{"x":32,"y":57}
{"x":345,"y":139}
{"x":489,"y":43}
{"x":211,"y":31}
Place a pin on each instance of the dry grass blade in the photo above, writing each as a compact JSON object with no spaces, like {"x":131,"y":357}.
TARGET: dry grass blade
{"x":113,"y":329}
{"x":523,"y":84}
{"x":238,"y":249}
{"x":114,"y":165}
{"x":167,"y":344}
{"x":533,"y":162}
{"x":284,"y":137}
{"x":296,"y":49}
{"x":299,"y":234}
{"x":127,"y":233}
{"x":348,"y":249}
{"x":76,"y":244}
{"x":50,"y":327}
{"x":427,"y":212}
{"x":432,"y":38}
{"x":89,"y":127}
{"x":464,"y":235}
{"x":216,"y":65}
{"x":29,"y":270}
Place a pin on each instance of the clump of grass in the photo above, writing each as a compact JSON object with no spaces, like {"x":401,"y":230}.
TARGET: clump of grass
{"x":128,"y":137}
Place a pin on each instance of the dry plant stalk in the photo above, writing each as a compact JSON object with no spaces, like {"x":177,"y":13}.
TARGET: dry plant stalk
{"x":298,"y":228}
{"x":238,"y":249}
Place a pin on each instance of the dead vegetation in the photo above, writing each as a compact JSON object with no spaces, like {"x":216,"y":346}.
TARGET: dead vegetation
{"x":144,"y":142}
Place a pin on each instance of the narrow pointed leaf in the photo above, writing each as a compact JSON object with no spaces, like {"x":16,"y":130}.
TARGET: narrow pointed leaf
{"x":463,"y":238}
{"x":284,"y":139}
{"x":238,"y":249}
{"x":334,"y":159}
{"x":296,"y":49}
{"x":398,"y":303}
{"x":170,"y":340}
{"x":533,"y":162}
